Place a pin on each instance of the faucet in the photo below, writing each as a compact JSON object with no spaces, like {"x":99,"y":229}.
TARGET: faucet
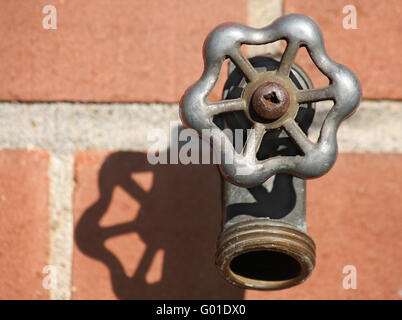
{"x":259,"y":131}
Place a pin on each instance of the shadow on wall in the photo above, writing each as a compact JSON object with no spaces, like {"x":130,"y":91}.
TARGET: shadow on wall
{"x":180,"y":214}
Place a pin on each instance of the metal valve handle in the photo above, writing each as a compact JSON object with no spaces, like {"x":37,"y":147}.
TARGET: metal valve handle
{"x":270,"y":100}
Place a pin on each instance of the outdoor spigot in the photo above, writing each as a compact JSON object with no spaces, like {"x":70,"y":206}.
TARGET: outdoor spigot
{"x":263,"y":243}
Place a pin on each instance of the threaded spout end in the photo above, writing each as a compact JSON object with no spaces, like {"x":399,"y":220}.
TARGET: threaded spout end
{"x":260,"y":253}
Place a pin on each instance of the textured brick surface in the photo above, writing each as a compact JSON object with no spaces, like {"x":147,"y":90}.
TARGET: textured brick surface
{"x":110,"y":50}
{"x":373,"y":50}
{"x":24,"y":225}
{"x":149,"y":231}
{"x":354,"y":217}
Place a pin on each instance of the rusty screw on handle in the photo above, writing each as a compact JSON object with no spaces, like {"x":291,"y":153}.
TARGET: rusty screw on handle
{"x":270,"y":100}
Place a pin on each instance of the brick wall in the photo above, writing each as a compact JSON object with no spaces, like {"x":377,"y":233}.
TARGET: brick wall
{"x":77,"y":103}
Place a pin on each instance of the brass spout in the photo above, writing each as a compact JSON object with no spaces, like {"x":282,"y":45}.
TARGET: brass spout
{"x":259,"y":253}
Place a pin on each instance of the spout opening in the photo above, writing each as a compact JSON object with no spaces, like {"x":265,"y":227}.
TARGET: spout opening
{"x":265,"y":265}
{"x":264,"y":254}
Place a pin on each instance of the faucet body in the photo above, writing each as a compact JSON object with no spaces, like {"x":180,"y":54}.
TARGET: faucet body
{"x":263,"y":243}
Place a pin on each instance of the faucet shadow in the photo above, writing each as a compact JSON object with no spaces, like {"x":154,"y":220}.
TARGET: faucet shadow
{"x":281,"y":199}
{"x":180,"y":214}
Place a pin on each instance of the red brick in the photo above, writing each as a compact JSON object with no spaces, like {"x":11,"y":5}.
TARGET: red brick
{"x":373,"y":50}
{"x":167,"y":251}
{"x":110,"y":50}
{"x":354,"y":217}
{"x":24,"y":224}
{"x":353,"y":214}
